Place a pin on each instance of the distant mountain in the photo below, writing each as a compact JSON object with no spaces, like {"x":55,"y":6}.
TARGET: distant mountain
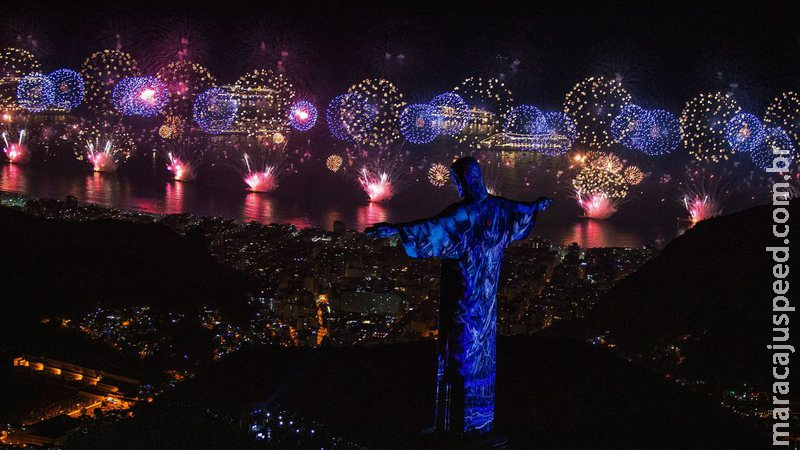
{"x":709,"y":292}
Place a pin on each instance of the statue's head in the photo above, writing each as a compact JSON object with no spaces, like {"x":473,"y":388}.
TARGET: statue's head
{"x":468,"y":178}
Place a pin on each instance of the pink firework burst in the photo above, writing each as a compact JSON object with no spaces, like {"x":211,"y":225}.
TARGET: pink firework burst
{"x":181,"y":170}
{"x":701,"y":208}
{"x":262,"y":179}
{"x":103,"y":155}
{"x":184,"y":158}
{"x":702,"y":193}
{"x":598,"y":206}
{"x":377,"y":185}
{"x":16,"y":152}
{"x":382,"y":172}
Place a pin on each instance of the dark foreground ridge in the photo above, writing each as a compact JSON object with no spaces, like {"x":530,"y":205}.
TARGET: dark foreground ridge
{"x":552,"y":393}
{"x":710,"y":293}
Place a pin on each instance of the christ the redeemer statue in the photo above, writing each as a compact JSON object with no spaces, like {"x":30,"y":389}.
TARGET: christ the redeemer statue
{"x":469,"y":237}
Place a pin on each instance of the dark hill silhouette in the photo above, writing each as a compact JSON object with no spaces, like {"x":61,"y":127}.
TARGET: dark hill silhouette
{"x":51,"y":267}
{"x":715,"y":283}
{"x":552,"y":393}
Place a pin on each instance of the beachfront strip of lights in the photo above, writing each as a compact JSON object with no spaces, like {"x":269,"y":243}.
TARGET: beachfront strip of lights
{"x":418,"y":123}
{"x":438,"y":174}
{"x":35,"y":92}
{"x":451,"y":113}
{"x":744,"y":132}
{"x":784,"y":112}
{"x":15,"y":63}
{"x":215,"y":110}
{"x":372,"y":113}
{"x":593,"y":104}
{"x":100,"y":72}
{"x":704,"y":120}
{"x":264,"y":97}
{"x":302,"y":115}
{"x":489,"y":101}
{"x":68,"y":88}
{"x":777,"y":149}
{"x":185,"y":80}
{"x":140,"y":96}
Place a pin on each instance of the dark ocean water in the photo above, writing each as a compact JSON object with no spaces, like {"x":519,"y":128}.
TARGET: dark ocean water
{"x":318,"y":202}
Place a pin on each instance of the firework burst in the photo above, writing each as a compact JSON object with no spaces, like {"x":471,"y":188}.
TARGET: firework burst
{"x":702,"y":194}
{"x":334,"y":162}
{"x":372,"y":112}
{"x":175,"y":39}
{"x":704,"y":120}
{"x":103,"y":154}
{"x":489,"y":101}
{"x":184,"y":80}
{"x":381,"y":172}
{"x":633,"y":175}
{"x":601,"y":185}
{"x":15,"y":63}
{"x":274,"y":44}
{"x":184,"y":158}
{"x":264,"y":98}
{"x":263,"y":163}
{"x":261,"y":179}
{"x":15,"y":147}
{"x":105,"y":147}
{"x":593,"y":104}
{"x":438,"y":174}
{"x":376,"y":184}
{"x":101,"y":71}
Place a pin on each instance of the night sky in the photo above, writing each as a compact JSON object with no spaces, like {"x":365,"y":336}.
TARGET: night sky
{"x":666,"y":52}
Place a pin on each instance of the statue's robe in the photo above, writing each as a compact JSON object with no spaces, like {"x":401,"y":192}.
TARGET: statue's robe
{"x":470,"y":237}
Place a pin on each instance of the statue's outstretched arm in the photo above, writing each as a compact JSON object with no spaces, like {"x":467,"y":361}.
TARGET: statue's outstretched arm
{"x":385,"y":229}
{"x":540,"y":204}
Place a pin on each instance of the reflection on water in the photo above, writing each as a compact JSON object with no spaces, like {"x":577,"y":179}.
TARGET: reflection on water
{"x":595,"y":233}
{"x":173,"y":197}
{"x":257,"y":207}
{"x":160,"y":196}
{"x":370,"y":214}
{"x":12,"y":176}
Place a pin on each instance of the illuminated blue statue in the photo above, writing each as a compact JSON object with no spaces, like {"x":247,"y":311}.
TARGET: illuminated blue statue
{"x":470,"y":237}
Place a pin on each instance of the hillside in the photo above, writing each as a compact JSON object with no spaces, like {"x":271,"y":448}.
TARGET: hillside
{"x":709,"y":292}
{"x":51,"y":267}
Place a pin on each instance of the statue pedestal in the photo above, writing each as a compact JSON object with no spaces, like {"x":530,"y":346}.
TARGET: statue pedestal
{"x":440,"y":441}
{"x":493,"y":441}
